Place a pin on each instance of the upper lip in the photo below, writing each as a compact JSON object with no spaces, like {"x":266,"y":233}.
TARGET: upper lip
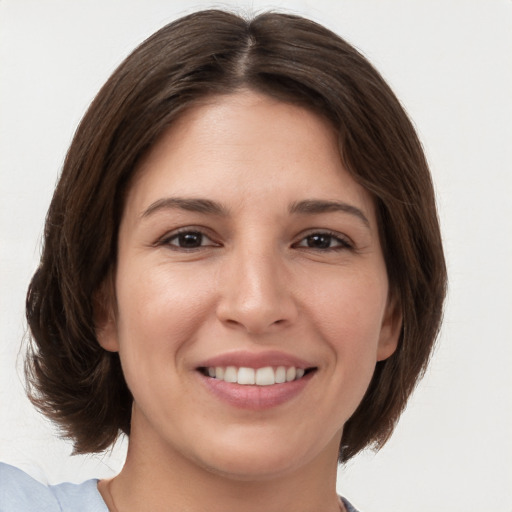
{"x":256,"y":360}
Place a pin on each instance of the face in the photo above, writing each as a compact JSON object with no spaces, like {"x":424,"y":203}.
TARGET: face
{"x":252,"y":295}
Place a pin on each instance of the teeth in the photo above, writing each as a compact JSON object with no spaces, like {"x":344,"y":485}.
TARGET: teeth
{"x":230,"y":374}
{"x":266,"y":376}
{"x":246,"y":376}
{"x":280,"y":374}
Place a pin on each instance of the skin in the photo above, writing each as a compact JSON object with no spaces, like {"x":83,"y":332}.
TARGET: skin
{"x":261,"y":277}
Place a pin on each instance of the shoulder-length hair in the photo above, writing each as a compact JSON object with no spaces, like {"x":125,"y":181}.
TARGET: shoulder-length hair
{"x":80,"y":385}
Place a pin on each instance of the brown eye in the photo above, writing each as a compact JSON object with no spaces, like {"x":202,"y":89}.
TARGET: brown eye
{"x":188,"y":240}
{"x":319,"y":241}
{"x":324,"y":241}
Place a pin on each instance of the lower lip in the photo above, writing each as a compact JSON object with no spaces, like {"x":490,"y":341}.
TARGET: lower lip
{"x":256,"y":397}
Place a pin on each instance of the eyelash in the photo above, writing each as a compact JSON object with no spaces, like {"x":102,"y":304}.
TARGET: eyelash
{"x":168,"y":239}
{"x":342,"y":242}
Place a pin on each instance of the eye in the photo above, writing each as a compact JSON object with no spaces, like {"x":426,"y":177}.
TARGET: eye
{"x":324,"y":241}
{"x":189,"y":239}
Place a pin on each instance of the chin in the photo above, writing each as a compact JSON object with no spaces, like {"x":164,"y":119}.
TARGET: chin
{"x":247,"y":467}
{"x":261,"y":459}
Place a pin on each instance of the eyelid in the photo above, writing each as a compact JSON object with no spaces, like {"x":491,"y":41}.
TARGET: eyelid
{"x":345,"y":242}
{"x":171,"y":235}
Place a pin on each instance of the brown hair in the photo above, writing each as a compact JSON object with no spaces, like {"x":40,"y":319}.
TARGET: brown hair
{"x":81,"y":386}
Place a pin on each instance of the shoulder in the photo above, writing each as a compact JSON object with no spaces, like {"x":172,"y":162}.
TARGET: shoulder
{"x":21,"y":492}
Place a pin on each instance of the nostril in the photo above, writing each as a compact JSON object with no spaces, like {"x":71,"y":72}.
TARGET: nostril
{"x":254,"y":323}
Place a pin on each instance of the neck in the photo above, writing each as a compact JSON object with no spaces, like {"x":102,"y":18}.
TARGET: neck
{"x":156,"y":478}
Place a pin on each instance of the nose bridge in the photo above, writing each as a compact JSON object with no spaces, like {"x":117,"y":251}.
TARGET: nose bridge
{"x":255,"y":293}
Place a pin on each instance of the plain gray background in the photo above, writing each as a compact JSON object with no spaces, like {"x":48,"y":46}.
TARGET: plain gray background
{"x":450,"y":63}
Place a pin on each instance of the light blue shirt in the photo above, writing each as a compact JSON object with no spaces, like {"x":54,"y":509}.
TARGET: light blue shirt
{"x":19,"y":492}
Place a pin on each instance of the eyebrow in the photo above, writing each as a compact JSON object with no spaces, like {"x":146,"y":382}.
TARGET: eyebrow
{"x":207,"y":206}
{"x":190,"y":204}
{"x":316,"y":206}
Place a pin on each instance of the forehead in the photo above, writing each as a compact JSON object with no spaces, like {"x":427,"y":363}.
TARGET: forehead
{"x":246,"y":145}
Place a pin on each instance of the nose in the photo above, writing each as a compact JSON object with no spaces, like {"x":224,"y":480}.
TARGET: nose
{"x":256,"y":292}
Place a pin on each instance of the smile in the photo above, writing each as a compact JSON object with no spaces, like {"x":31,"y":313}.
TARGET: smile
{"x":266,"y":376}
{"x":256,"y":381}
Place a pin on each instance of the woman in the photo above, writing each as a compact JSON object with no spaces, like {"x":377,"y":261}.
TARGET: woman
{"x":242,"y":271}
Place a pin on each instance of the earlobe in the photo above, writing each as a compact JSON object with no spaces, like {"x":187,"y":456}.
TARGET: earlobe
{"x":107,"y":336}
{"x":104,"y":317}
{"x":390,"y":329}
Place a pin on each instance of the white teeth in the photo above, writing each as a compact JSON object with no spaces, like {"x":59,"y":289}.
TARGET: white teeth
{"x":280,"y":374}
{"x":230,"y":374}
{"x":266,"y":376}
{"x":246,"y":376}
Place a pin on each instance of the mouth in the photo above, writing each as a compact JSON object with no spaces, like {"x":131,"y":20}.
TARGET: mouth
{"x":264,"y":376}
{"x":256,"y":381}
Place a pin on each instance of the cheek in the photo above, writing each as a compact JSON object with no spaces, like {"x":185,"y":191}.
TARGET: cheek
{"x":356,"y":297}
{"x":348,"y":312}
{"x":159,"y":312}
{"x":350,"y":326}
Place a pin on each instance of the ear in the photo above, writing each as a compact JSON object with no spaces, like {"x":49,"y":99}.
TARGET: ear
{"x":104,"y":315}
{"x":390,"y":329}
